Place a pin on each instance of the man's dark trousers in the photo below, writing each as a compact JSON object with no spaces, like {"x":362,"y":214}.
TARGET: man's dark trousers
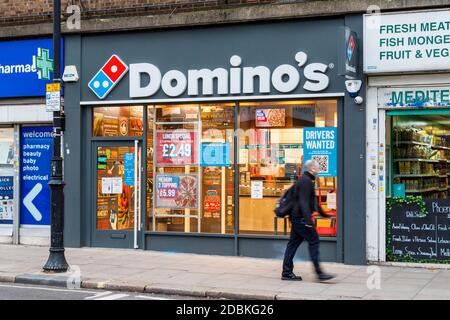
{"x":300,"y":232}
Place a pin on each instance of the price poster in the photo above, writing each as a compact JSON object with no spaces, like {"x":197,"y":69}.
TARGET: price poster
{"x":177,"y":191}
{"x":176,"y":147}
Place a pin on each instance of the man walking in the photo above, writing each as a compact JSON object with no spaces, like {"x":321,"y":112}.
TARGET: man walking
{"x":302,"y":224}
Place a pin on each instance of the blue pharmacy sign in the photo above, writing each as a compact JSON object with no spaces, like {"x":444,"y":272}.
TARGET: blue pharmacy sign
{"x":215,"y":154}
{"x":128,"y":179}
{"x":36,"y":153}
{"x":320,"y":144}
{"x":26,"y":66}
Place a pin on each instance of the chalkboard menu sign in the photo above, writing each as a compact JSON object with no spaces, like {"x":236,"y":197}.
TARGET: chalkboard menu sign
{"x":416,"y":236}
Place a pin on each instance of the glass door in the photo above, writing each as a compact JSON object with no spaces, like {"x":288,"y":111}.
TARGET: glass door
{"x":117,"y":183}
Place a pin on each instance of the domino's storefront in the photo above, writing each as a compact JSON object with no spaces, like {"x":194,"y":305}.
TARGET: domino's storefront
{"x":182,"y":140}
{"x":25,"y":141}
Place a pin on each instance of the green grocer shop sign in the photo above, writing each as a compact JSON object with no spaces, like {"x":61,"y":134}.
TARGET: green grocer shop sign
{"x":423,"y":97}
{"x":409,"y":41}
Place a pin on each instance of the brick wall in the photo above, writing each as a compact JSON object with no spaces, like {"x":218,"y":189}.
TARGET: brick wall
{"x":26,"y":18}
{"x":36,"y":11}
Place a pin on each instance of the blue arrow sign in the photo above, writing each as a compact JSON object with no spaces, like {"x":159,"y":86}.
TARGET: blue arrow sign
{"x":36,"y":152}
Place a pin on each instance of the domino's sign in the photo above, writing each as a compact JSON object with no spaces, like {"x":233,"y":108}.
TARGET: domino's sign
{"x":108,"y":76}
{"x":236,"y":80}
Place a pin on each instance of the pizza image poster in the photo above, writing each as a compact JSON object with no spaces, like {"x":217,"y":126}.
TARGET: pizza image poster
{"x":176,"y":147}
{"x":320,"y":144}
{"x":267,"y":118}
{"x":176,"y":191}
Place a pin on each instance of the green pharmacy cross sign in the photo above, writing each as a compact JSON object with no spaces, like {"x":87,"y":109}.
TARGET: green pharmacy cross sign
{"x":43,"y":63}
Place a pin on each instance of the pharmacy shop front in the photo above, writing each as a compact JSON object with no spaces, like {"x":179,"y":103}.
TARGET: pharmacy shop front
{"x":25,"y":141}
{"x":189,"y":137}
{"x":408,"y":132}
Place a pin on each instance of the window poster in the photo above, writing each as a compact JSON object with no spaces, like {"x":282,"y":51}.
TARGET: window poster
{"x":175,"y":147}
{"x":116,"y":184}
{"x":128,"y":169}
{"x":112,"y":185}
{"x":177,"y":191}
{"x":106,"y":186}
{"x":212,"y":187}
{"x":267,"y":118}
{"x":257,"y":189}
{"x":6,"y":199}
{"x":331,"y":201}
{"x":215,"y":154}
{"x":320,"y":144}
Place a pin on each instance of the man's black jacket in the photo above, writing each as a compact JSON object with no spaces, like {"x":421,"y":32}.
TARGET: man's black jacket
{"x":306,"y":201}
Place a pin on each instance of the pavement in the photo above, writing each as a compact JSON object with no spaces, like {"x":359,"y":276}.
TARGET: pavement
{"x":220,"y":277}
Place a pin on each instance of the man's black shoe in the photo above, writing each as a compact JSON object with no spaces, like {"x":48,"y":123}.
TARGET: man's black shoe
{"x":291,"y":277}
{"x":324,"y":276}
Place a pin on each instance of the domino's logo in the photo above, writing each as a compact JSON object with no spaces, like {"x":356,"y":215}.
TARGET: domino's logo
{"x":350,"y":48}
{"x":108,"y":76}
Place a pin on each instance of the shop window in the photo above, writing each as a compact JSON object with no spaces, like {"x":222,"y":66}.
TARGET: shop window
{"x":417,"y":186}
{"x":117,"y":121}
{"x":275,"y":139}
{"x":421,"y":153}
{"x":189,"y":168}
{"x":6,"y":175}
{"x":217,"y":156}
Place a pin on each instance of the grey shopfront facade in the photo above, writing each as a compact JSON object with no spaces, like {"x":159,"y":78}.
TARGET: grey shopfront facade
{"x":314,"y":48}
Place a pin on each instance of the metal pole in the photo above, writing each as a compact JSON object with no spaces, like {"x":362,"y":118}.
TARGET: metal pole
{"x":56,"y":261}
{"x":136,"y":193}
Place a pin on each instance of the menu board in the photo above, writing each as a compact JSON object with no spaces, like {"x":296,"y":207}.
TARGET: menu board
{"x":415,"y":236}
{"x":175,"y":147}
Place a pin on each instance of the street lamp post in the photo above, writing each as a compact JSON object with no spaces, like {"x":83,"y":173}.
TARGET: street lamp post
{"x":56,"y":261}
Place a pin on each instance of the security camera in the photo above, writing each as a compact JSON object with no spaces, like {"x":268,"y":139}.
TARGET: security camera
{"x":353,"y":87}
{"x":359,"y":100}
